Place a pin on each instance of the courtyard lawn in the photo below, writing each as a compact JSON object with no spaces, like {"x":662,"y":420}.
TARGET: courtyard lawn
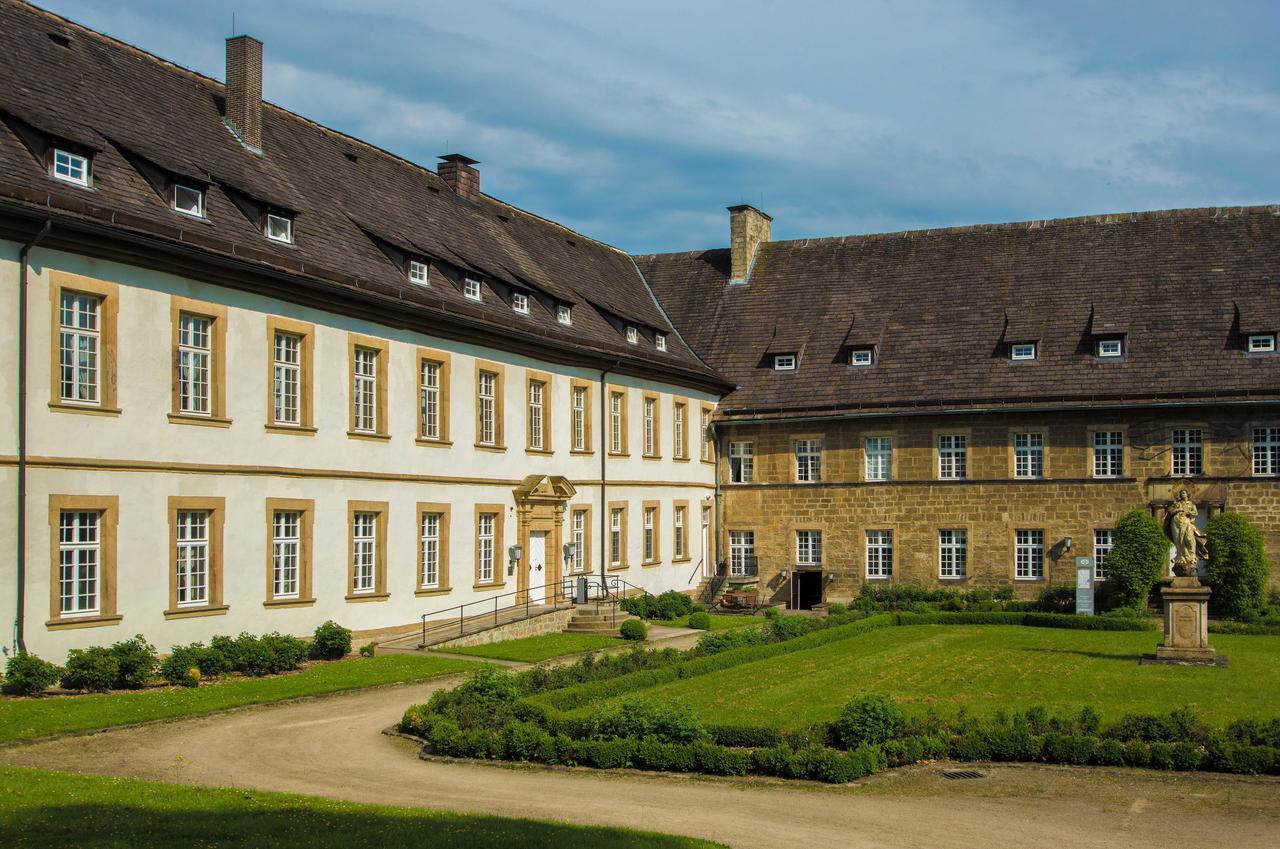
{"x":40,"y":716}
{"x":543,"y":647}
{"x":984,"y":668}
{"x":719,"y":621}
{"x":58,"y":809}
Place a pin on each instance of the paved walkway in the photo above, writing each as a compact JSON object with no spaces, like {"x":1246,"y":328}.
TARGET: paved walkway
{"x":334,"y":747}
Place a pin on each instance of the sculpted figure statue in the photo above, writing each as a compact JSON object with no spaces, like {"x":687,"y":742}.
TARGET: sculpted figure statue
{"x":1188,"y":541}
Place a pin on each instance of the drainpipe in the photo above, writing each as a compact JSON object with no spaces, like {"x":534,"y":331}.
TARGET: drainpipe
{"x":604,"y":457}
{"x":23,"y":256}
{"x":717,"y":506}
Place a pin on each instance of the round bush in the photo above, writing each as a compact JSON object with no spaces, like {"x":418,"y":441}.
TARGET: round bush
{"x":331,"y":641}
{"x":700,"y":621}
{"x":1138,"y":559}
{"x":634,"y":629}
{"x":26,"y":675}
{"x":1237,"y":570}
{"x":95,"y":669}
{"x":368,"y":649}
{"x":136,"y":662}
{"x":868,"y":718}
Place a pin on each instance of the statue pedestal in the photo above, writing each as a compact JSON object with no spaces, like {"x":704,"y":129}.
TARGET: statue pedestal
{"x":1186,"y":626}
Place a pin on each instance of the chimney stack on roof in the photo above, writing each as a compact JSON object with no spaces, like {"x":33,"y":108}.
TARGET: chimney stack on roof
{"x":455,"y":169}
{"x":748,"y":228}
{"x":244,"y":90}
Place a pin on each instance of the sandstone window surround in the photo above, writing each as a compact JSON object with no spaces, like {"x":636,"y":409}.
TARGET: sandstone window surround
{"x":808,"y":547}
{"x":367,"y":370}
{"x":290,"y":376}
{"x":808,"y":464}
{"x":680,"y":531}
{"x":953,"y":456}
{"x":652,"y":427}
{"x":289,"y":552}
{"x":1104,"y":540}
{"x":199,"y":346}
{"x":652,"y":549}
{"x":878,"y":457}
{"x":617,"y":535}
{"x":680,"y":430}
{"x":435,"y":370}
{"x":1187,"y":452}
{"x":953,"y":553}
{"x":433,"y":548}
{"x":580,"y":416}
{"x":82,"y":561}
{"x":490,"y":554}
{"x":1028,"y":455}
{"x":741,"y":461}
{"x":1028,"y":554}
{"x":538,"y":432}
{"x":708,"y":444}
{"x":85,"y":345}
{"x":1266,"y":451}
{"x":367,"y":551}
{"x":1108,"y":452}
{"x":580,"y":533}
{"x":879,"y":553}
{"x":618,"y":421}
{"x":196,"y":559}
{"x":490,"y":381}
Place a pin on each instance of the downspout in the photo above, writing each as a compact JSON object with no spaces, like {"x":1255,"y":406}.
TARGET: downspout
{"x":718,"y":506}
{"x":23,"y":256}
{"x":604,"y":457}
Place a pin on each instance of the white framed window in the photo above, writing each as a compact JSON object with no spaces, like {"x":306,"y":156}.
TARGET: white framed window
{"x":430,"y":567}
{"x":536,"y":440}
{"x":808,"y":548}
{"x":1110,"y":348}
{"x":471,"y":288}
{"x":79,"y":561}
{"x":70,"y":167}
{"x":660,"y":341}
{"x":953,"y":552}
{"x":364,"y":551}
{"x":1108,"y":453}
{"x":485,"y":526}
{"x":1022,"y":351}
{"x":953,"y":457}
{"x":879,"y":554}
{"x":578,"y":564}
{"x":650,"y":426}
{"x":188,"y":200}
{"x":861,"y":357}
{"x":1028,"y":455}
{"x":195,"y":352}
{"x":579,"y":418}
{"x":615,"y":536}
{"x":364,"y":390}
{"x":1262,"y":343}
{"x":706,"y":434}
{"x":677,"y":525}
{"x":286,"y":370}
{"x":286,"y":552}
{"x":1266,"y":451}
{"x":616,"y":401}
{"x":650,"y":537}
{"x":520,"y":303}
{"x":192,"y":557}
{"x":419,"y":272}
{"x":742,"y":553}
{"x":564,"y":314}
{"x":677,"y":427}
{"x":280,"y":228}
{"x":1188,"y":451}
{"x":487,"y":391}
{"x":741,"y":461}
{"x":79,"y":320}
{"x":633,"y":335}
{"x":429,"y":400}
{"x":1103,"y":541}
{"x":784,"y":362}
{"x":808,"y":460}
{"x":1028,"y":555}
{"x":879,"y":451}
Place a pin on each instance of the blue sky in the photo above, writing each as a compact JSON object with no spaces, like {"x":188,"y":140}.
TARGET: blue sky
{"x":638,"y":123}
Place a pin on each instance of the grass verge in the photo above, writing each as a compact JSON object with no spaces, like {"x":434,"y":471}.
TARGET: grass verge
{"x":719,"y":621}
{"x":57,"y":809}
{"x":40,"y":716}
{"x":542,"y":647}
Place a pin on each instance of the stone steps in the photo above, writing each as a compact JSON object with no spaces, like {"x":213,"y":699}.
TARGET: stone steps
{"x":603,"y":621}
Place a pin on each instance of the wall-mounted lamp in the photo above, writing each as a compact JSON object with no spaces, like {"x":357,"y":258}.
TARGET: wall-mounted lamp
{"x":570,"y":550}
{"x":514,"y":553}
{"x":831,"y":576}
{"x":1066,"y":543}
{"x":783,"y":574}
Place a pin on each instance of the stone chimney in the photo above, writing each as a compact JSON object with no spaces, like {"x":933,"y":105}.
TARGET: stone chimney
{"x":455,"y":169}
{"x":244,"y":89}
{"x":748,"y":228}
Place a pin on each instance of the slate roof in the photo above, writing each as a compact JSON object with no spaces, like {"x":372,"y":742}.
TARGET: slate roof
{"x":1184,"y":287}
{"x":136,"y":111}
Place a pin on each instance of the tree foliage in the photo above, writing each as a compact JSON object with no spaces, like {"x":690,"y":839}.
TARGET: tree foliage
{"x":1137,"y":560}
{"x":1237,"y":569}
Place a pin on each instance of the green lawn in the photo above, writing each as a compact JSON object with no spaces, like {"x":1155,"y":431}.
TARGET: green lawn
{"x":719,"y":622}
{"x":37,"y":717}
{"x":985,"y":668}
{"x":58,"y":809}
{"x":534,"y":649}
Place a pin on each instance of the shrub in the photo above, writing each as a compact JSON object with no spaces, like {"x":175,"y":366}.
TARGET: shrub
{"x":670,"y":722}
{"x":867,"y":719}
{"x":699,"y":608}
{"x":715,"y":642}
{"x":368,"y":649}
{"x":182,"y":659}
{"x":835,"y":608}
{"x":700,"y":621}
{"x":267,"y":654}
{"x":634,"y":629}
{"x":790,"y":627}
{"x":26,"y":675}
{"x":1137,"y":560}
{"x":1237,"y":570}
{"x":136,"y":662}
{"x":1057,"y":600}
{"x":331,"y":641}
{"x":96,"y":669}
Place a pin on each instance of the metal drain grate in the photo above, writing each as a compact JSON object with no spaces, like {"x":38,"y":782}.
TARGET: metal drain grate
{"x":958,"y":774}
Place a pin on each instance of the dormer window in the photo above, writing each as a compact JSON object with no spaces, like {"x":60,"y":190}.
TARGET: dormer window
{"x":860,"y":357}
{"x":1110,"y":348}
{"x":520,"y":303}
{"x":660,"y":341}
{"x":471,"y":289}
{"x":279,"y":228}
{"x":1022,"y":351}
{"x":564,"y":314}
{"x":419,"y":272}
{"x":784,"y":362}
{"x":1262,"y":343}
{"x":70,"y":167}
{"x":633,"y":335}
{"x":188,"y":200}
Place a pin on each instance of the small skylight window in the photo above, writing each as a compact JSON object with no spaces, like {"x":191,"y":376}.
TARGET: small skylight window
{"x":660,"y":341}
{"x":188,"y":200}
{"x":471,"y":288}
{"x":520,"y":303}
{"x":1110,"y":348}
{"x":1262,"y":343}
{"x":419,"y":272}
{"x":280,"y":228}
{"x":564,"y":314}
{"x":784,"y":362}
{"x":860,"y":357}
{"x":71,"y":167}
{"x":1023,"y":351}
{"x":633,"y":335}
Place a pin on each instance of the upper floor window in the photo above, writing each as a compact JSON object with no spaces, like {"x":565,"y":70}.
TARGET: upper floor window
{"x":1110,"y":347}
{"x":487,"y":395}
{"x":808,"y":548}
{"x":364,"y":391}
{"x":660,"y":341}
{"x":471,"y":289}
{"x":953,"y":456}
{"x":879,"y":458}
{"x":784,"y":362}
{"x":419,"y":272}
{"x":1028,"y":555}
{"x":286,"y":374}
{"x":1028,"y":455}
{"x":1023,"y":351}
{"x":520,"y":303}
{"x":650,"y":427}
{"x":78,"y":346}
{"x":808,"y":460}
{"x":188,"y":200}
{"x":1266,"y":451}
{"x":617,"y":423}
{"x":677,"y":427}
{"x":70,"y":167}
{"x":706,"y":435}
{"x":1188,"y":451}
{"x":195,"y":352}
{"x":741,"y":462}
{"x":1264,"y":343}
{"x":861,"y":357}
{"x":579,"y":418}
{"x":564,"y":314}
{"x":279,"y":228}
{"x":1108,"y":453}
{"x":536,"y":437}
{"x":633,"y":335}
{"x":429,"y":400}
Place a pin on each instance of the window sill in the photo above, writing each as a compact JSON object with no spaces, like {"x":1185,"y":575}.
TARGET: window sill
{"x":433,"y":443}
{"x":68,"y":622}
{"x":357,"y":597}
{"x":649,"y":564}
{"x":496,"y":449}
{"x":682,"y":560}
{"x":619,"y":567}
{"x":294,"y":430}
{"x":680,"y":459}
{"x":953,"y":578}
{"x":1030,"y":580}
{"x":194,"y":612}
{"x":619,"y":453}
{"x":545,"y":452}
{"x":371,"y":437}
{"x":420,"y":593}
{"x":289,"y":602}
{"x":490,"y":586}
{"x":581,"y":452}
{"x":709,"y":462}
{"x":889,"y":578}
{"x":199,"y":421}
{"x":85,"y":409}
{"x":651,"y":456}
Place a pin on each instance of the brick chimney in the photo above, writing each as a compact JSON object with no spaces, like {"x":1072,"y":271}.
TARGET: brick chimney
{"x":748,"y":228}
{"x":455,"y":169}
{"x":244,"y":89}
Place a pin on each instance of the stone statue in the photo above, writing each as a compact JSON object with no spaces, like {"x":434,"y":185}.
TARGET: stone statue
{"x":1188,"y":541}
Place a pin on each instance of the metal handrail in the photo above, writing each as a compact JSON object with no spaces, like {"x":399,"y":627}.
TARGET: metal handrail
{"x":696,"y":570}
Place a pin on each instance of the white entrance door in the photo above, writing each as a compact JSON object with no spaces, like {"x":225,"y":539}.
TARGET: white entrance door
{"x":537,"y":567}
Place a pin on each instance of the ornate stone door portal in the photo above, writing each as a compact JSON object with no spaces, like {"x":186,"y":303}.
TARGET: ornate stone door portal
{"x":540,"y":509}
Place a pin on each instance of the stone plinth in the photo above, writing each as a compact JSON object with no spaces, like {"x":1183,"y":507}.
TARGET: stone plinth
{"x":1186,"y":626}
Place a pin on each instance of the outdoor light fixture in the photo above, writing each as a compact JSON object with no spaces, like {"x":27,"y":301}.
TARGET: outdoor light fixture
{"x":569,"y":551}
{"x":783,"y":574}
{"x":831,"y":576}
{"x":1066,"y":543}
{"x":514,"y":553}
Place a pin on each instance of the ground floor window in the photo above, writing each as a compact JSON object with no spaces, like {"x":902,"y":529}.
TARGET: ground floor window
{"x":430,"y":550}
{"x":677,"y":520}
{"x":742,"y":552}
{"x":879,"y":554}
{"x":1103,"y":540}
{"x":808,"y":548}
{"x":79,"y":559}
{"x":953,"y":553}
{"x":364,"y":542}
{"x":1028,"y":555}
{"x":192,"y":557}
{"x":579,"y":540}
{"x":615,"y":536}
{"x":286,"y":543}
{"x":485,"y":523}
